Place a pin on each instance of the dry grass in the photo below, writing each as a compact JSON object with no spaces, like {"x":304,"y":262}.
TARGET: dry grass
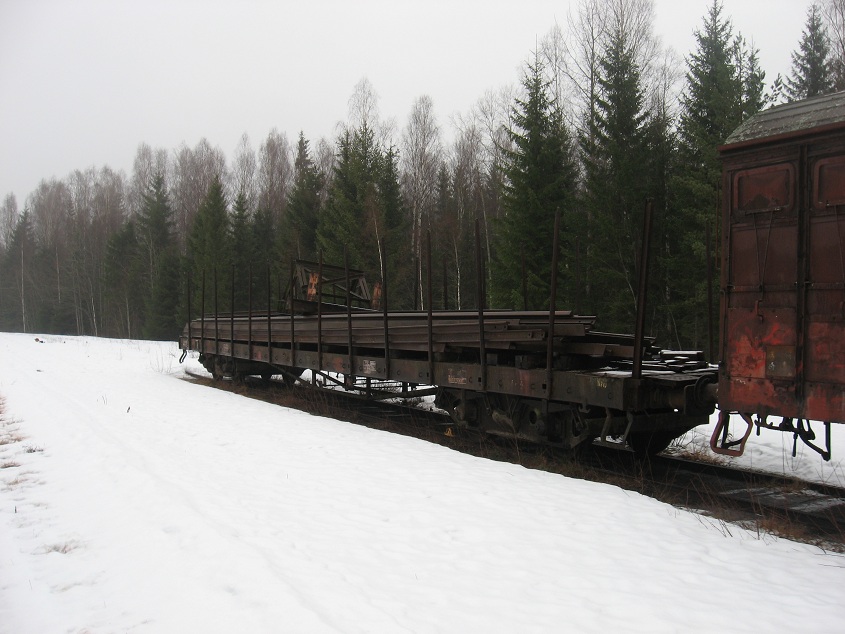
{"x":62,"y":548}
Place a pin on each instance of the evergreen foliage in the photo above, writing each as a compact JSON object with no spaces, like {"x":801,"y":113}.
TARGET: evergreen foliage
{"x":19,"y":308}
{"x":164,"y":319}
{"x":299,"y":234}
{"x":243,"y":254}
{"x":209,"y":248}
{"x":811,"y":66}
{"x":723,"y":87}
{"x":124,"y":284}
{"x":539,"y":180}
{"x":160,"y":264}
{"x":621,"y":175}
{"x":397,"y":233}
{"x":364,"y":207}
{"x":155,"y":227}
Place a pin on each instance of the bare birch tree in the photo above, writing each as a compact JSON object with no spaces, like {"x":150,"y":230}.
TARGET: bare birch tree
{"x":275,"y":174}
{"x":243,"y":178}
{"x":8,"y":219}
{"x":833,"y":13}
{"x":421,"y":158}
{"x":194,"y":170}
{"x":146,"y":164}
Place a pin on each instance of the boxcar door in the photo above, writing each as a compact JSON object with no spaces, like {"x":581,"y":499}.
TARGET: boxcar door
{"x":760,"y":305}
{"x":824,"y":351}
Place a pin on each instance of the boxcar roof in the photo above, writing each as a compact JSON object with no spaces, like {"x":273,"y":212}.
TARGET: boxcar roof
{"x":790,"y":119}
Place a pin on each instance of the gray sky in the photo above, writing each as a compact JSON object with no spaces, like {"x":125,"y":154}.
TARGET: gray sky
{"x":84,"y":82}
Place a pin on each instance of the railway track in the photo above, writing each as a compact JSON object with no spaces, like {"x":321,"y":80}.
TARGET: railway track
{"x":801,"y":510}
{"x":818,"y":507}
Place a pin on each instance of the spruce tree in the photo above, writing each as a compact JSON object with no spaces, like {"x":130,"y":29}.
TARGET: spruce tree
{"x":209,"y":248}
{"x":263,"y":239}
{"x":265,"y":255}
{"x":160,"y":265}
{"x":243,"y":254}
{"x":20,"y":307}
{"x":303,"y":210}
{"x":619,"y":179}
{"x":723,"y":87}
{"x":539,"y":180}
{"x":164,"y":320}
{"x":811,"y":66}
{"x":155,"y":227}
{"x":353,"y":217}
{"x":124,"y":275}
{"x":397,"y":234}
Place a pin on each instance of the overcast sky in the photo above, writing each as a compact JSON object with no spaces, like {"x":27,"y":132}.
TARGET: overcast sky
{"x":84,"y":82}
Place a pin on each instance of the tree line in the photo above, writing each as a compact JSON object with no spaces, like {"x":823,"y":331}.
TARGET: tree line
{"x":603,"y":119}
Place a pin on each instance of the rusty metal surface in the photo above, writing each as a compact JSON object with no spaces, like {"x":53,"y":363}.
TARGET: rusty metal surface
{"x":596,"y":373}
{"x":799,"y":117}
{"x":783,"y":273}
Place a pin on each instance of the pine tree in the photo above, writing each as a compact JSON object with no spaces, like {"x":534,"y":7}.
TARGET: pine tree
{"x":751,"y":79}
{"x":619,"y":179}
{"x":397,"y":233}
{"x":124,"y":274}
{"x":303,"y":210}
{"x":265,"y":256}
{"x":263,"y":239}
{"x":155,"y":226}
{"x":164,"y":320}
{"x":723,"y":87}
{"x":539,"y":180}
{"x":159,"y":263}
{"x":811,"y":66}
{"x":209,"y":249}
{"x":243,"y":254}
{"x":353,"y":218}
{"x":445,"y":262}
{"x":20,"y":307}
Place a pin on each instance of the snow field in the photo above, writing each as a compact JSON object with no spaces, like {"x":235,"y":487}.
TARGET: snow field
{"x":145,"y":503}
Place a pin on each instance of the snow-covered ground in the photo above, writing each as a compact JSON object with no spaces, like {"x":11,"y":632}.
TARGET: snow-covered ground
{"x":132,"y":500}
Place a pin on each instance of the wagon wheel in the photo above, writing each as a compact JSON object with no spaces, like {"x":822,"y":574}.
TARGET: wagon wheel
{"x":650,"y":444}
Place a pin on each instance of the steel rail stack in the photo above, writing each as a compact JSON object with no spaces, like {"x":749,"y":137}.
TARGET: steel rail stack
{"x":592,"y":394}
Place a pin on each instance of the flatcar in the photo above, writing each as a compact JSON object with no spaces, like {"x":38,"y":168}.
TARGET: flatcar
{"x":487,"y":368}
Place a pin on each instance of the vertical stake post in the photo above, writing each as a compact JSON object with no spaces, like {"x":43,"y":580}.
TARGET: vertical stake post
{"x":550,"y":337}
{"x":249,"y":322}
{"x":190,"y":317}
{"x":232,"y":318}
{"x":384,"y":309}
{"x":429,"y":301}
{"x":269,"y":323}
{"x":445,"y":287}
{"x":292,"y":323}
{"x":202,"y":314}
{"x":524,"y":280}
{"x":708,"y":255}
{"x":479,"y":267}
{"x":351,"y":368}
{"x":320,"y":314}
{"x":637,"y":370}
{"x":216,"y":324}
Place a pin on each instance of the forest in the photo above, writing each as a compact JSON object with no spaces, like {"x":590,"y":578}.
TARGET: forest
{"x":602,"y":119}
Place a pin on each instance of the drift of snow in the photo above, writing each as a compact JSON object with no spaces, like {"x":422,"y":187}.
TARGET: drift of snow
{"x":132,"y":500}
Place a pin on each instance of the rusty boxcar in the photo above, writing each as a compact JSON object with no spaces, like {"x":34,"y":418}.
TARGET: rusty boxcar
{"x":783,"y":272}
